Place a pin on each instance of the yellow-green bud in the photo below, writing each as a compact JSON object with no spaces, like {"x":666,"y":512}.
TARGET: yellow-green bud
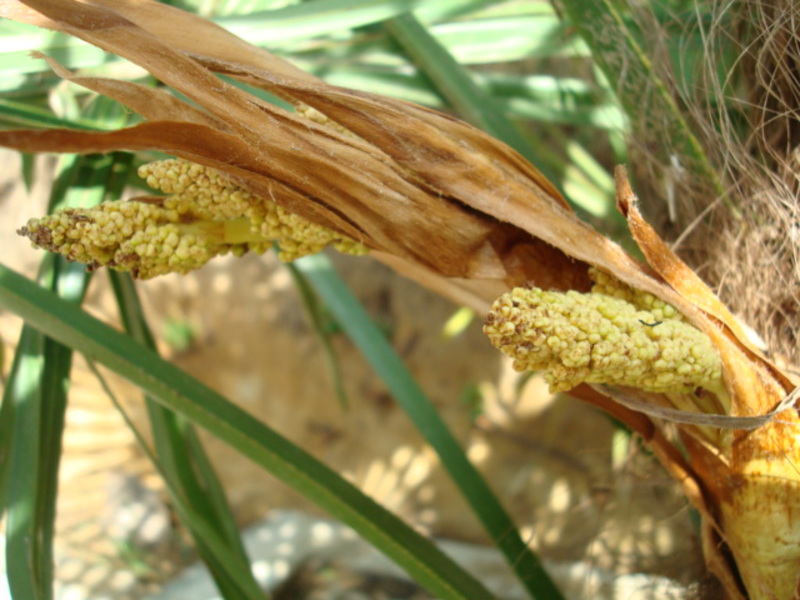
{"x":612,"y":335}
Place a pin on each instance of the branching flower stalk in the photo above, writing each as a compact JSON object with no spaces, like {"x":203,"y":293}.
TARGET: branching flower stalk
{"x":460,"y":212}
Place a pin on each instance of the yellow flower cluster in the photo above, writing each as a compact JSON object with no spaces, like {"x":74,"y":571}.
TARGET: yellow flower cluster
{"x":613,"y":335}
{"x":205,"y":215}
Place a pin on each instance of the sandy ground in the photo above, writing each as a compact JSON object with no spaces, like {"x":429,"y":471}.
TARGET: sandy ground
{"x":578,"y":489}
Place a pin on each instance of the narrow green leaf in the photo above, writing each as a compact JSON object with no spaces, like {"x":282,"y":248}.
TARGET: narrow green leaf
{"x":26,"y":572}
{"x":28,"y":172}
{"x":315,"y":311}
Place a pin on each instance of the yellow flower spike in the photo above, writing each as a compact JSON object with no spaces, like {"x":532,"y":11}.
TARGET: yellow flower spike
{"x":205,"y":215}
{"x":610,"y":336}
{"x":145,"y":238}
